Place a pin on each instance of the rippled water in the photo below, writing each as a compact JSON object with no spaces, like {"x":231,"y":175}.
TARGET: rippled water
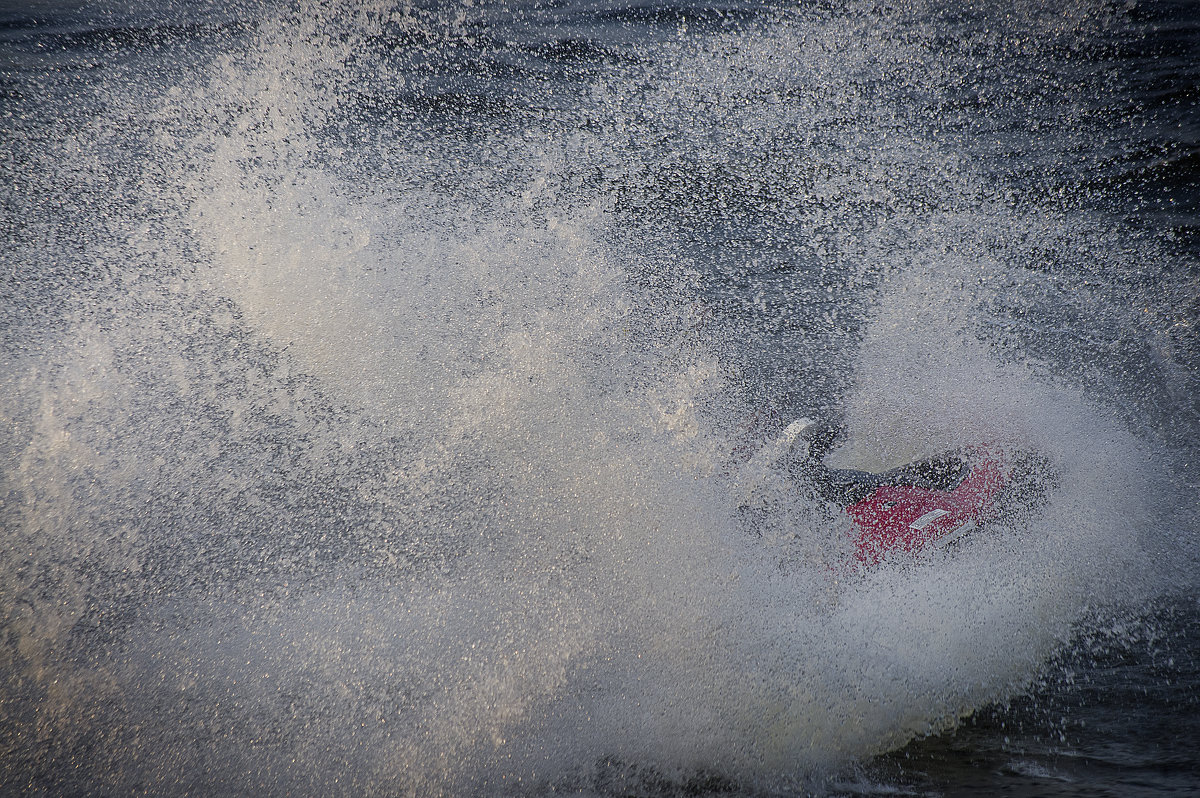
{"x":377,"y":378}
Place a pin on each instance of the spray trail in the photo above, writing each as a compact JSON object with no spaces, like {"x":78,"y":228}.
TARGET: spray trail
{"x":390,"y":447}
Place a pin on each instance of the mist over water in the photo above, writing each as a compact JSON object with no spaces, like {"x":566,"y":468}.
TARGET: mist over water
{"x":380,"y":384}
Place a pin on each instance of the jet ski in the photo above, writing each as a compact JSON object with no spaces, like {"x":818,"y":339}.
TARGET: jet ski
{"x":896,"y":514}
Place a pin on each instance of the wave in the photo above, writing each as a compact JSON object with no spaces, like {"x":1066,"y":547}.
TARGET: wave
{"x":388,"y":446}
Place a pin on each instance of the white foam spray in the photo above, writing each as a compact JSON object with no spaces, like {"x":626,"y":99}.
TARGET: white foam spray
{"x":514,"y":465}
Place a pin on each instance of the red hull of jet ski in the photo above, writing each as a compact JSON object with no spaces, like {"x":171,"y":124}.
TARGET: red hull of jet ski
{"x":905,"y":518}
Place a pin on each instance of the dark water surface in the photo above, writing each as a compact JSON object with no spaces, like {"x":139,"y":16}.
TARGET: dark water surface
{"x":378,"y":382}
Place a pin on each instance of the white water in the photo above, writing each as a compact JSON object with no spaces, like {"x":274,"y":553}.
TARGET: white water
{"x":514,"y":461}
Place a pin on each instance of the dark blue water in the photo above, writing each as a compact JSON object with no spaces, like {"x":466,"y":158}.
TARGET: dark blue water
{"x":378,"y":383}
